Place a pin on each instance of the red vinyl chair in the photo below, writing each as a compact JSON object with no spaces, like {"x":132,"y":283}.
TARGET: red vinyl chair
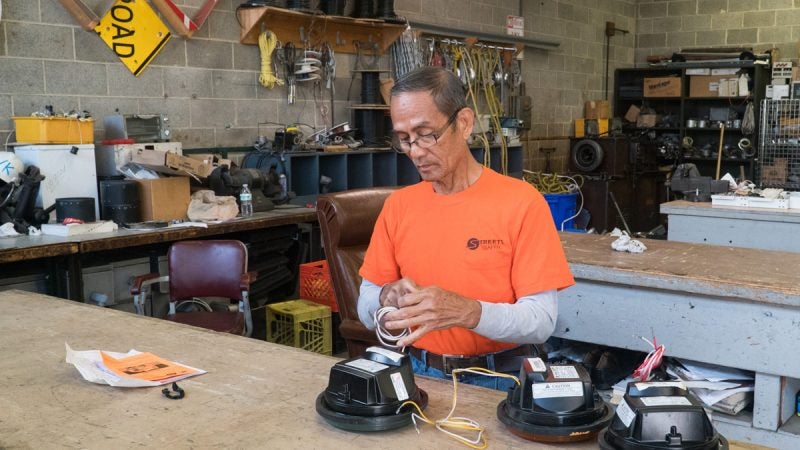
{"x":202,"y":269}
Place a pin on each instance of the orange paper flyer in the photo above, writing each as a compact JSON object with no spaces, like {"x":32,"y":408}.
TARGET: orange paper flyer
{"x":146,"y":366}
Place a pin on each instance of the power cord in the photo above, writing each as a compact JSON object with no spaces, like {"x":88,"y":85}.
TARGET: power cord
{"x":653,"y":360}
{"x":450,"y":422}
{"x":385,"y":337}
{"x":8,"y":138}
{"x":464,"y":424}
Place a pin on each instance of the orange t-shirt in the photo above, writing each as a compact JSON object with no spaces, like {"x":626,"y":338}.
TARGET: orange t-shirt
{"x":494,"y":241}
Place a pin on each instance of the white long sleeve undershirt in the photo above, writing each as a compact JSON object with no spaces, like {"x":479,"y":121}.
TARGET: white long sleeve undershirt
{"x":531,"y":320}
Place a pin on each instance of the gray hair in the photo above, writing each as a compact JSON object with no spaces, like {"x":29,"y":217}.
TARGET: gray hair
{"x":449,"y":94}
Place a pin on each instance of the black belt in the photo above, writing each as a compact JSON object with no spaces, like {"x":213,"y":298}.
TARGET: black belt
{"x":505,"y":361}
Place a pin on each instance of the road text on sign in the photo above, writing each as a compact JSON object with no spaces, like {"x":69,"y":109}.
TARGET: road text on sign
{"x":134,"y":32}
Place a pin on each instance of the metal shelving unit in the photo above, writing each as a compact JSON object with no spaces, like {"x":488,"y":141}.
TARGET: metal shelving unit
{"x":679,"y":109}
{"x":779,"y":144}
{"x":362,"y":168}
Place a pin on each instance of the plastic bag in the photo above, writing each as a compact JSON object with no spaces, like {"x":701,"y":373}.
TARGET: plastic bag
{"x":206,"y":206}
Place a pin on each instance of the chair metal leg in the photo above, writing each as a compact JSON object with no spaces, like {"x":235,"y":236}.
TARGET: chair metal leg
{"x":138,"y":302}
{"x":244,"y":308}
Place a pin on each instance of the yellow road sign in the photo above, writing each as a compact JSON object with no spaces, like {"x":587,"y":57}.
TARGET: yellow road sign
{"x":134,"y":32}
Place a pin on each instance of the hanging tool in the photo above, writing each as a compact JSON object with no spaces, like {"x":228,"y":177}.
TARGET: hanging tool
{"x":288,"y":62}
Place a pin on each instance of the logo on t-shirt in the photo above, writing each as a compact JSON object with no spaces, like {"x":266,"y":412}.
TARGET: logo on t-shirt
{"x":484,"y":244}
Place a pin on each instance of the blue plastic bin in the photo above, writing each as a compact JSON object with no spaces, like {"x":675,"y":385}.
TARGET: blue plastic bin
{"x":562,"y":207}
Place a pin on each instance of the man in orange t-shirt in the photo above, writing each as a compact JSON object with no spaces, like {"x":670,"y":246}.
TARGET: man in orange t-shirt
{"x":470,"y":258}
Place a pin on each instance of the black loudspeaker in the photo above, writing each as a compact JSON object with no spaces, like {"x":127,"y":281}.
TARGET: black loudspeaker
{"x":600,"y":156}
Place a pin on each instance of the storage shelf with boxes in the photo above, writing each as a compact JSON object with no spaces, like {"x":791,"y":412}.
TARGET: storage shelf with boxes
{"x":682,"y":110}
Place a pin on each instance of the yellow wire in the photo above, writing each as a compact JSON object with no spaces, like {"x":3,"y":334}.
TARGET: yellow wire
{"x":266,"y":44}
{"x":460,"y":54}
{"x":489,"y":60}
{"x":553,"y":183}
{"x":459,"y":423}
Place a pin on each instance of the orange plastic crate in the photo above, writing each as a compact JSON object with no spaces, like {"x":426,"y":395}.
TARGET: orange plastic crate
{"x":315,"y":284}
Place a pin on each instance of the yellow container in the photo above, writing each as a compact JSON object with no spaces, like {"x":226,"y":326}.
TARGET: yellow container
{"x":54,"y":130}
{"x":301,"y":324}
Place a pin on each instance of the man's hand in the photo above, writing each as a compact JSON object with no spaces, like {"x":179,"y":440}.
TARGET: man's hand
{"x":432,"y":308}
{"x":391,"y":292}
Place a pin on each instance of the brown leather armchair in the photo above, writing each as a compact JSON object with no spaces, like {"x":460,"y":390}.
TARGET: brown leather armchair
{"x":346,"y":220}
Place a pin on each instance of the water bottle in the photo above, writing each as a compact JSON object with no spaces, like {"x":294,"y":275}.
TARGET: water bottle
{"x":284,"y":190}
{"x":245,"y":202}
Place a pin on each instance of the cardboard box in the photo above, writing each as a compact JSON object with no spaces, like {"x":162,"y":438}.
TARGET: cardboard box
{"x":646,"y":120}
{"x":662,"y":87}
{"x":212,"y":159}
{"x":596,"y":109}
{"x":591,"y":127}
{"x":781,"y":69}
{"x":632,"y":114}
{"x":154,"y":154}
{"x":164,"y":198}
{"x":728,"y":87}
{"x":777,"y":92}
{"x":775,"y":173}
{"x":705,"y":85}
{"x":193,"y":166}
{"x":109,"y":157}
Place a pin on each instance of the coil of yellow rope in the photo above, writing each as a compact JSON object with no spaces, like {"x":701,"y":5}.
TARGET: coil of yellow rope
{"x":266,"y":44}
{"x":548,"y":183}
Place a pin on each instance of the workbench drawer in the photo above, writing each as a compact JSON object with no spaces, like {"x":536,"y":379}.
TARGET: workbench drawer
{"x":114,"y":280}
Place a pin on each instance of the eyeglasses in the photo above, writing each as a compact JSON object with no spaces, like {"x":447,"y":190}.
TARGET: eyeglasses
{"x":424,"y":141}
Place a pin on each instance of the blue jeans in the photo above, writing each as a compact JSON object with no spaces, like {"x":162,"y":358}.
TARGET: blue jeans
{"x":498,"y":383}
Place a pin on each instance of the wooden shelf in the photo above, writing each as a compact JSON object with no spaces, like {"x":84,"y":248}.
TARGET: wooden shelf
{"x":291,"y":26}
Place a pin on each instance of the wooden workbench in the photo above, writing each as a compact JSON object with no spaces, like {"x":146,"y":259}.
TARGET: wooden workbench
{"x":64,"y":257}
{"x":734,"y":307}
{"x":255,"y":394}
{"x":124,"y":238}
{"x":26,"y":248}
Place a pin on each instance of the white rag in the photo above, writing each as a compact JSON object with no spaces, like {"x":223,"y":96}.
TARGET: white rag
{"x":624,"y":243}
{"x":7,"y":229}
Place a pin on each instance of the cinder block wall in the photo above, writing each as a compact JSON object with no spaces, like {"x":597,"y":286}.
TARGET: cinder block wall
{"x":559,"y":81}
{"x":208,"y":85}
{"x":665,"y":27}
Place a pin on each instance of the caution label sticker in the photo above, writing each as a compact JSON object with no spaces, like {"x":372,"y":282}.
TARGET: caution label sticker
{"x":134,"y":32}
{"x":551,"y":390}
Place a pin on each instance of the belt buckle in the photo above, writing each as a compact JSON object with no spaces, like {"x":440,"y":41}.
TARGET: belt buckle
{"x":445,"y":366}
